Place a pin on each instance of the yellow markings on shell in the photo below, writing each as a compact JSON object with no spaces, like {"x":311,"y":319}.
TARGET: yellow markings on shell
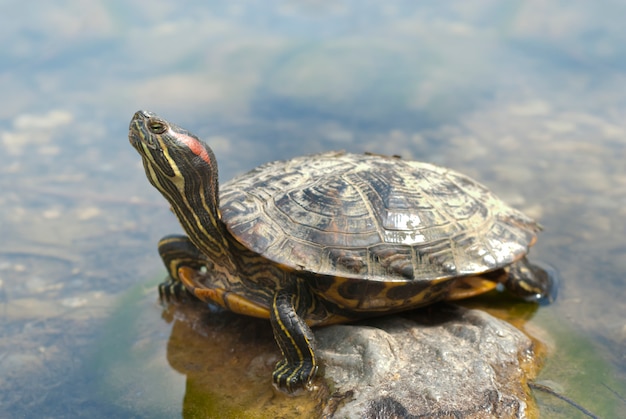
{"x":330,"y":319}
{"x":382,"y":301}
{"x":470,"y":286}
{"x":224,"y":298}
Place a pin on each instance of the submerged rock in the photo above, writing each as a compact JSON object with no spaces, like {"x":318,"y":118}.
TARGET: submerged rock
{"x":448,"y":362}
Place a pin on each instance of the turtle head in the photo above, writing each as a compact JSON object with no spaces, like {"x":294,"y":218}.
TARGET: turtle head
{"x":171,"y":154}
{"x":182,"y":167}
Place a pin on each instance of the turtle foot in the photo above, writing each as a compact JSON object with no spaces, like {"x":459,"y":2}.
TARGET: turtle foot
{"x":291,"y":378}
{"x":536,"y":282}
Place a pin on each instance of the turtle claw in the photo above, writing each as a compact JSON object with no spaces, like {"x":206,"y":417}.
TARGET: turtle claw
{"x":292,"y":378}
{"x":171,"y":291}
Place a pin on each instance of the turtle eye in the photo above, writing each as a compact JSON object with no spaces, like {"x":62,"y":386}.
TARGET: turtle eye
{"x":157,"y":126}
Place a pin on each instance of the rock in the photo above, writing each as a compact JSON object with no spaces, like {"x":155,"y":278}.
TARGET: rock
{"x":440,"y":361}
{"x":444,"y":362}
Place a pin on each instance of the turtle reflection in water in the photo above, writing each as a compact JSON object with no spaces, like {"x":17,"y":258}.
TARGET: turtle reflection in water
{"x":329,"y":238}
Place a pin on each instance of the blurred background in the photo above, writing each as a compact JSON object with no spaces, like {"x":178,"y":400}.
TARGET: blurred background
{"x":527,"y":97}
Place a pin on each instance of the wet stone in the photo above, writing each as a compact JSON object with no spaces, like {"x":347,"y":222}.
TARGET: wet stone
{"x":449,"y":362}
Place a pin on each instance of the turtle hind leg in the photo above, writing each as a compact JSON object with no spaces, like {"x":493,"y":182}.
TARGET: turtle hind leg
{"x":295,"y":340}
{"x":532,"y":282}
{"x":177,"y":251}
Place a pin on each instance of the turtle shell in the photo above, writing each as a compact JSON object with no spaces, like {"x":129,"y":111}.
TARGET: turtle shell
{"x":373,"y":217}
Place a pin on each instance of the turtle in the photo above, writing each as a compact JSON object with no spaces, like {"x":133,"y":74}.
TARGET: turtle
{"x":329,"y":238}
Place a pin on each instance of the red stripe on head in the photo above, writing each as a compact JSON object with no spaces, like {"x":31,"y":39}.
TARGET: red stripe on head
{"x":195,"y":146}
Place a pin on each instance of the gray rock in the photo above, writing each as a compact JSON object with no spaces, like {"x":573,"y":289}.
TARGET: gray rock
{"x":449,"y":362}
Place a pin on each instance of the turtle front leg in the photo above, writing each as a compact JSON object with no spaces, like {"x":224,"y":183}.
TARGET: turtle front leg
{"x":531,"y":282}
{"x":177,"y":251}
{"x":295,"y":340}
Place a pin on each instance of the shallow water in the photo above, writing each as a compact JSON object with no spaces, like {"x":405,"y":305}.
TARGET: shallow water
{"x":527,"y":97}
